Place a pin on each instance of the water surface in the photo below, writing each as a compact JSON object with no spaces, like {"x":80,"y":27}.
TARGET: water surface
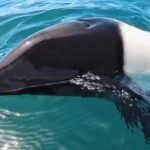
{"x":65,"y":123}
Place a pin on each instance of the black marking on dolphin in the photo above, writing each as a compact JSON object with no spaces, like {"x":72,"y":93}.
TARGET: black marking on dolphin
{"x":62,"y":52}
{"x":85,"y":58}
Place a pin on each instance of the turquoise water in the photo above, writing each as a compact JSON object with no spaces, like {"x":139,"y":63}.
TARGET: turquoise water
{"x":65,"y":123}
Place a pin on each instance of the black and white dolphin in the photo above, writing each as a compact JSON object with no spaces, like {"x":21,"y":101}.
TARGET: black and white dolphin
{"x":57,"y":54}
{"x":86,"y":57}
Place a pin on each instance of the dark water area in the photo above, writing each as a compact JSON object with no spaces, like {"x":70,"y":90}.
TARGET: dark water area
{"x":61,"y":122}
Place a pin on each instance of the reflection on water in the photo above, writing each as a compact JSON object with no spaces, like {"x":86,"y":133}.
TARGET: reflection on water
{"x":43,"y":122}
